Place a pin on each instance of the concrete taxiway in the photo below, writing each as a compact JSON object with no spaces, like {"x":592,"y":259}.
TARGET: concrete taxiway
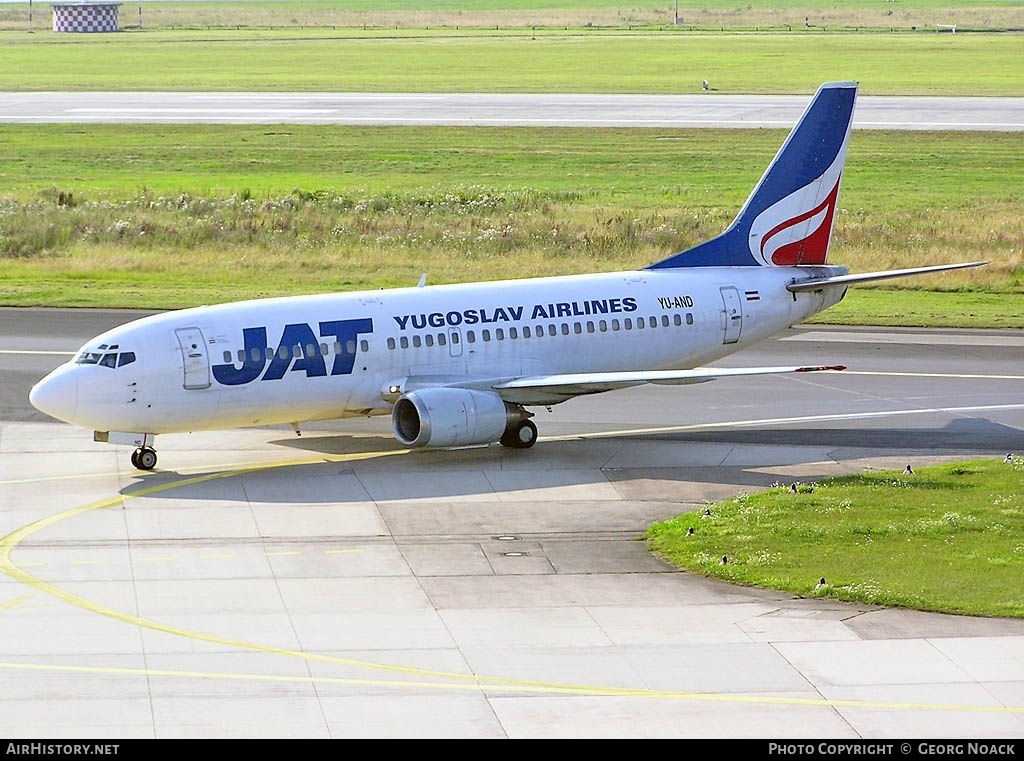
{"x":260,"y":584}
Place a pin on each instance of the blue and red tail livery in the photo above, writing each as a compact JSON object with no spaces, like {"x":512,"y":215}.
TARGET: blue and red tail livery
{"x":788,"y":218}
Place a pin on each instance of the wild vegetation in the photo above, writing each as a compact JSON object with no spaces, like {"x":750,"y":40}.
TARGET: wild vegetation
{"x":164,"y":216}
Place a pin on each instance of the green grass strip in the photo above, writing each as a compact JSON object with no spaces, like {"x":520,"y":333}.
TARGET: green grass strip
{"x":946,"y":538}
{"x":328,"y":60}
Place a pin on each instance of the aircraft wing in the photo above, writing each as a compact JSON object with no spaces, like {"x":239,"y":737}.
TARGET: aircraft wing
{"x":551,"y":389}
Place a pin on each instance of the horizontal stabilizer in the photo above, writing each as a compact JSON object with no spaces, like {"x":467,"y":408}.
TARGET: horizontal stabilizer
{"x":816,"y":284}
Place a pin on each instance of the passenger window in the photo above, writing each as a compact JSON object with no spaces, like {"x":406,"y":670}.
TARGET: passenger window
{"x":364,"y":345}
{"x":526,"y":331}
{"x":350,"y":346}
{"x":416,"y":342}
{"x":677,"y":320}
{"x":485,"y":334}
{"x":590,"y":326}
{"x":455,"y":337}
{"x":615,"y":324}
{"x":513,"y":333}
{"x":603,"y":325}
{"x":653,"y":321}
{"x":627,"y":324}
{"x":429,"y":339}
{"x":689,"y":318}
{"x":499,"y":334}
{"x":404,"y":340}
{"x":227,"y":357}
{"x":441,"y":341}
{"x":552,"y":331}
{"x":470,"y":337}
{"x":391,"y":343}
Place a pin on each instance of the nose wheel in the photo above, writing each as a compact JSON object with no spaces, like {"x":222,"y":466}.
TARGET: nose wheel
{"x":144,"y":458}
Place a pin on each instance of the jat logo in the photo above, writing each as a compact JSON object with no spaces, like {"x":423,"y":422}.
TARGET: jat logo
{"x":343,"y":333}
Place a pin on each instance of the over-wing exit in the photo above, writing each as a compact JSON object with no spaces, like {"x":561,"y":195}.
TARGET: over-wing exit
{"x":459,"y":365}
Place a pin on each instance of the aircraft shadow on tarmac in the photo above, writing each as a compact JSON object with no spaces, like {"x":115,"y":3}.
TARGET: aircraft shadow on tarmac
{"x":960,"y":435}
{"x":381,"y":470}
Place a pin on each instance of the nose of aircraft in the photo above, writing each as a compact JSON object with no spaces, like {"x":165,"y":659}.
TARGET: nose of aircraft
{"x":57,"y":394}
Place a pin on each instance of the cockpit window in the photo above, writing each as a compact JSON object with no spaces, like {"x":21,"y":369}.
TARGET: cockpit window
{"x":105,"y":358}
{"x":88,"y":358}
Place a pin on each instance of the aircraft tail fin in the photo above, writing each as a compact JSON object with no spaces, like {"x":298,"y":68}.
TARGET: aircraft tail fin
{"x":787,"y":220}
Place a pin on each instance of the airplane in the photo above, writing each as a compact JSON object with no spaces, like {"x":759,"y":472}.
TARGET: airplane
{"x":458,"y":365}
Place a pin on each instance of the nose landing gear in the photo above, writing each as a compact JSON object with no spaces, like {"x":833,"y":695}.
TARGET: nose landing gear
{"x":144,"y":458}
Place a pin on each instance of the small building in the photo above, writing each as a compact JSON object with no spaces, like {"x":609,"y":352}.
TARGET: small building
{"x":85,"y":17}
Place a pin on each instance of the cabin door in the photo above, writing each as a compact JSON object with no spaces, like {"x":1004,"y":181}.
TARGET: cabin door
{"x":194,"y":358}
{"x":733,"y":312}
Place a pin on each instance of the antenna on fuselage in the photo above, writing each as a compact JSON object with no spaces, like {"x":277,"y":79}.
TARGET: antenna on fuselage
{"x":423,"y":280}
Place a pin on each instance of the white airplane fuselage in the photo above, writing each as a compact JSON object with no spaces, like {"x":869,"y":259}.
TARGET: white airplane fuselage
{"x":304,"y":358}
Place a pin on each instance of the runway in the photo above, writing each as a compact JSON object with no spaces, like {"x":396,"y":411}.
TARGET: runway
{"x":260,"y":584}
{"x":708,"y":109}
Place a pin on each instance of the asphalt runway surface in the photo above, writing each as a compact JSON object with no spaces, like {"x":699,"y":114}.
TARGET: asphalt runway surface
{"x":260,"y":584}
{"x":709,"y":109}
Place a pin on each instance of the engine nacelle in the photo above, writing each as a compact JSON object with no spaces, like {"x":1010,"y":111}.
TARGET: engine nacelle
{"x":452,"y":417}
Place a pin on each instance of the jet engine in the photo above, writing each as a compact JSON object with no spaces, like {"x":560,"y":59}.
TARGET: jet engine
{"x":455,"y":417}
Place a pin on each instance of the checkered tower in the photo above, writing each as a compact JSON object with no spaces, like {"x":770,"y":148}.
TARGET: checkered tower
{"x":85,"y":17}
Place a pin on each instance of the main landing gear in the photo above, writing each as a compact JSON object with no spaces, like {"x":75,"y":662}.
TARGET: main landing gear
{"x":522,"y":436}
{"x":144,"y":458}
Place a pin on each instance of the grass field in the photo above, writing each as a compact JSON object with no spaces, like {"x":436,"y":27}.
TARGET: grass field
{"x":86,"y":218}
{"x":620,"y":62}
{"x":527,"y":46}
{"x":946,"y":538}
{"x":711,"y":15}
{"x":170,"y":216}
